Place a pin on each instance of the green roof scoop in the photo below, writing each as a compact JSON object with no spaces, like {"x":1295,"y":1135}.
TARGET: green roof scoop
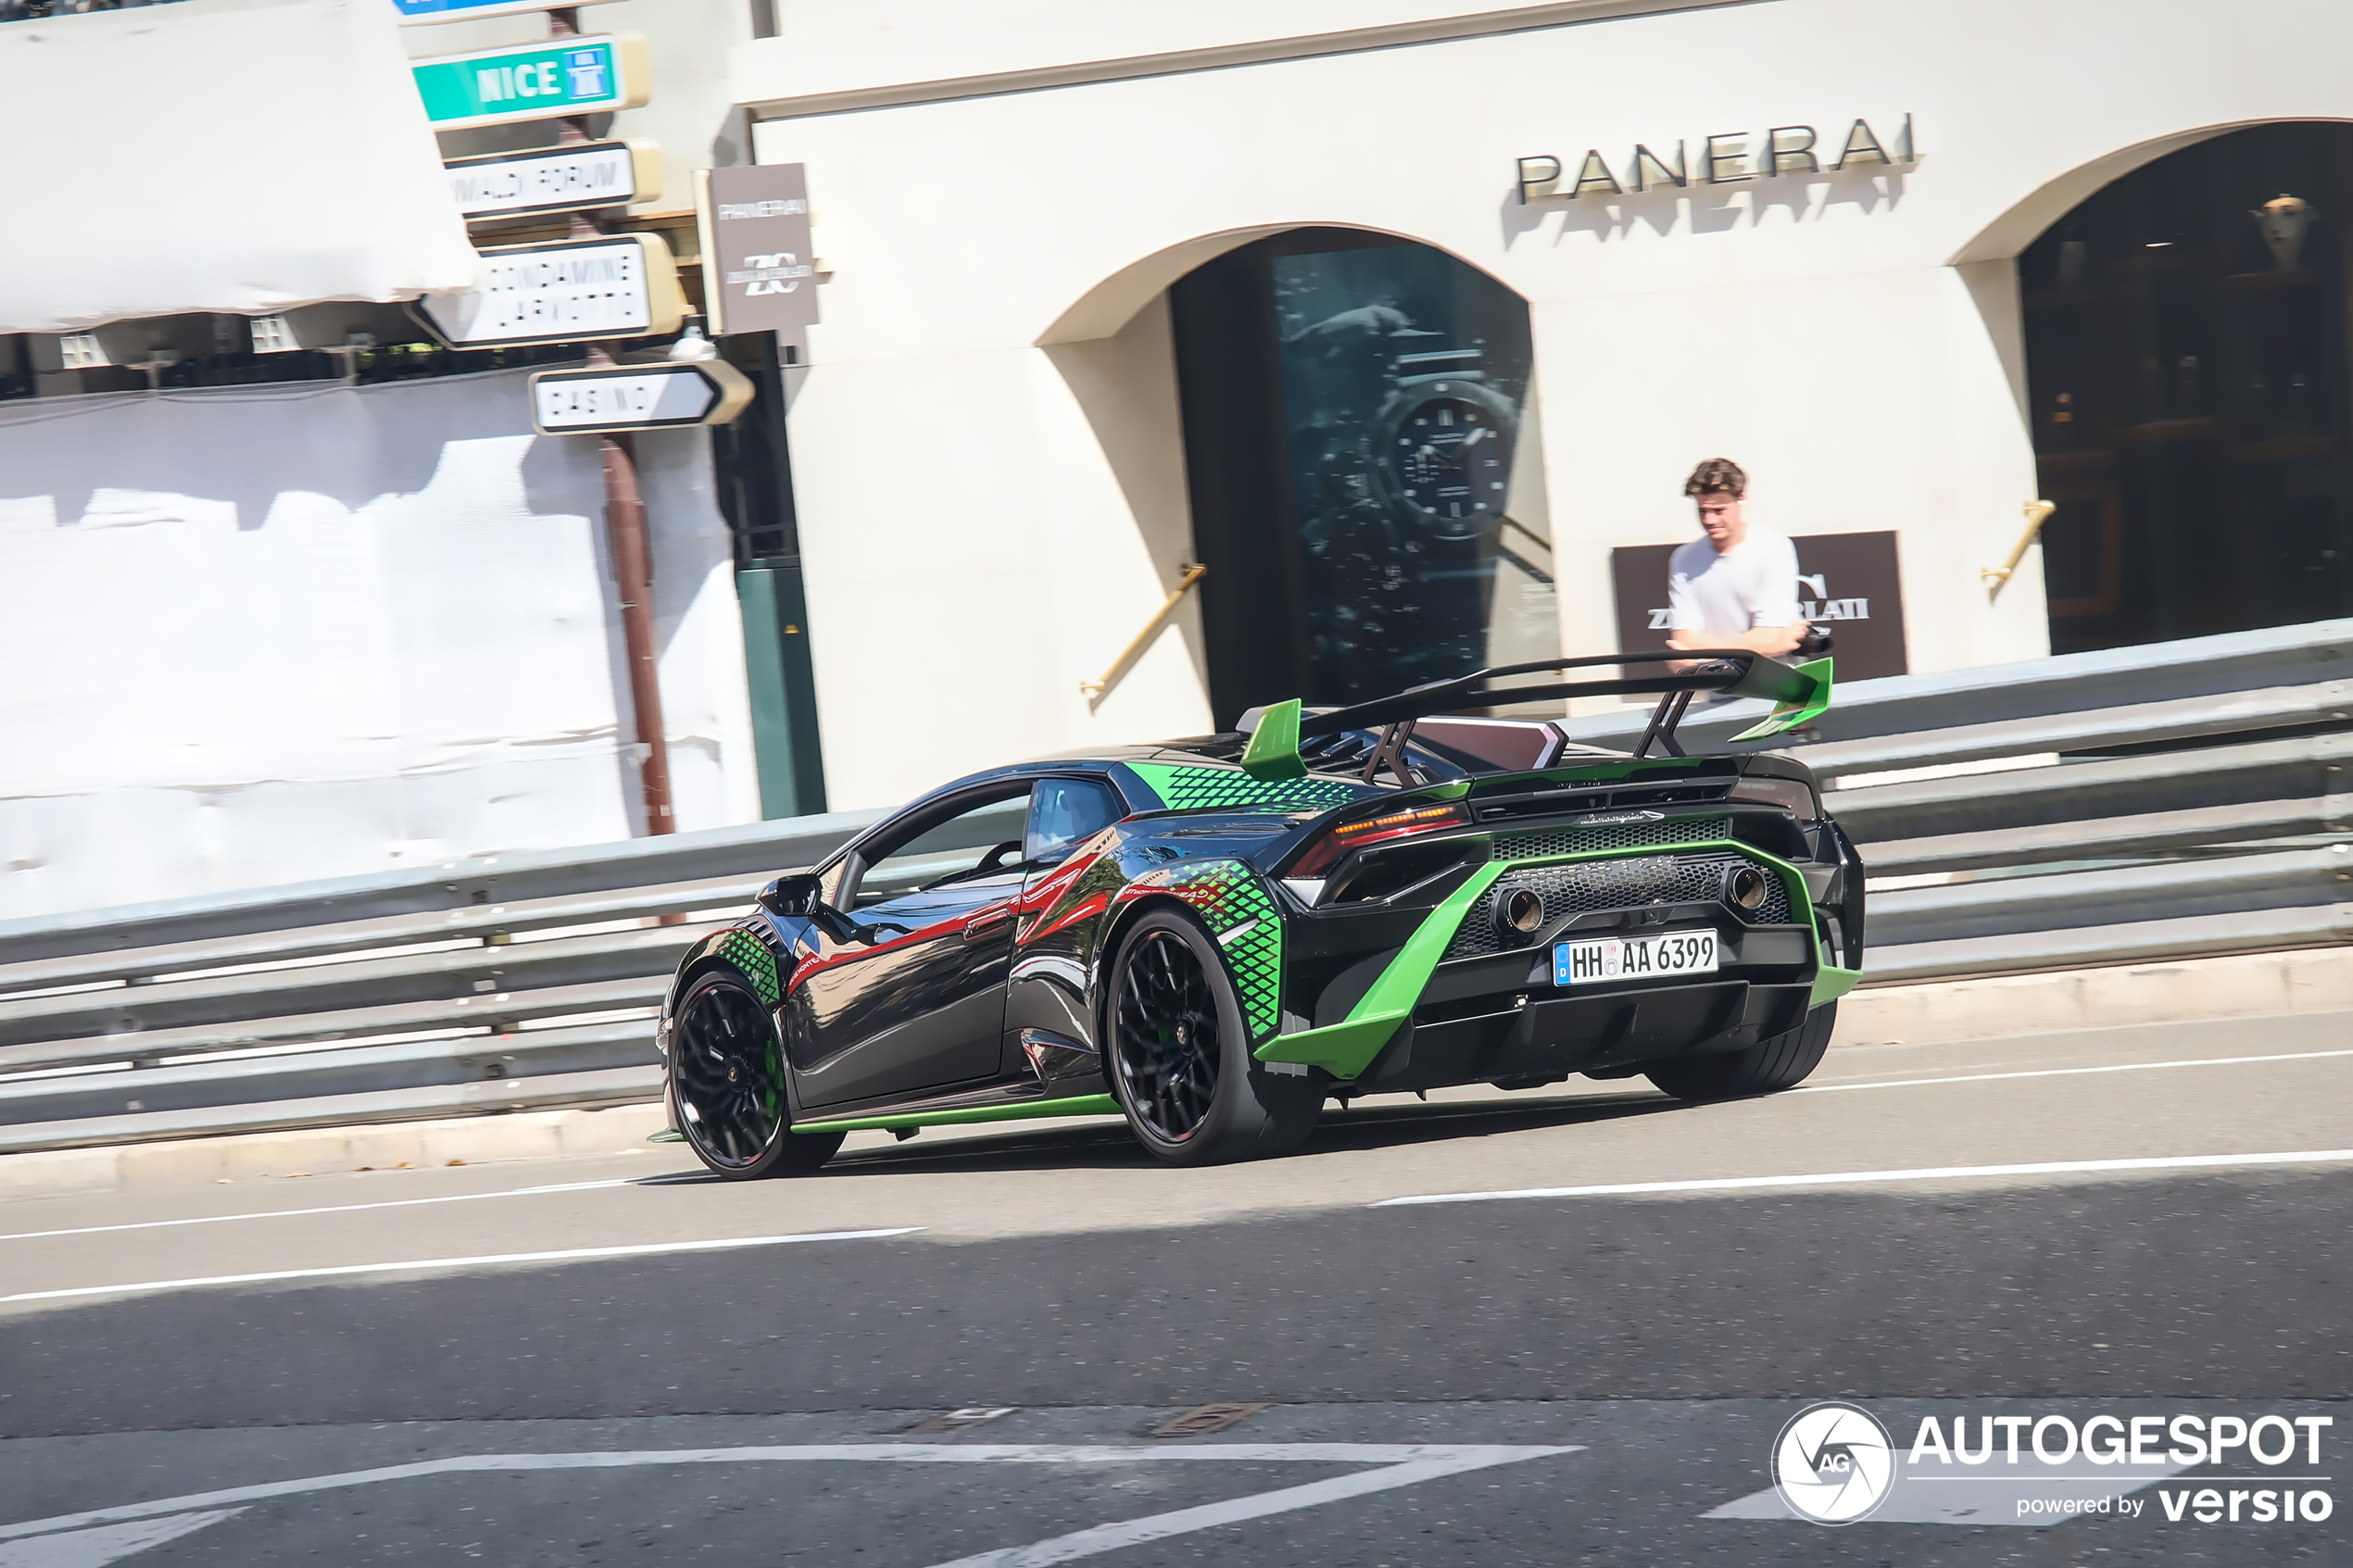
{"x":1796,"y":708}
{"x":1273,"y":746}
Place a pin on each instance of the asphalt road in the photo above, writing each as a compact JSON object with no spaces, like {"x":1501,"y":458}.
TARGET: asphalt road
{"x":1591,"y":1363}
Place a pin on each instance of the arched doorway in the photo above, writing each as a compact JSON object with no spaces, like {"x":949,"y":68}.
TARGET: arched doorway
{"x":1365,"y":482}
{"x":2186,"y":335}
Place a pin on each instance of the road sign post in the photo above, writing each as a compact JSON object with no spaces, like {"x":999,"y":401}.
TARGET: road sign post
{"x":571,"y":75}
{"x":569,"y":291}
{"x":605,"y":398}
{"x":571,"y":178}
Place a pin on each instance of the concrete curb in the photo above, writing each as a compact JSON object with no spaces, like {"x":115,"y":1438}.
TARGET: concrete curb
{"x":2237,"y":985}
{"x":1937,"y":1012}
{"x":251,"y":1156}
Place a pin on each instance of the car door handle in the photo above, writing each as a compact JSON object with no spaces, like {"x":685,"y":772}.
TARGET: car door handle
{"x":985,"y":924}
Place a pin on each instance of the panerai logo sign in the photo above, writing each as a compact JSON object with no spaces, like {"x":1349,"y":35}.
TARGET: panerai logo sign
{"x":774,"y":272}
{"x":758,"y":246}
{"x":1730,"y":158}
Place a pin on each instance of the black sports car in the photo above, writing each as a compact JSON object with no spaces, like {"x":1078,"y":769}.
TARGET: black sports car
{"x":1214,"y":937}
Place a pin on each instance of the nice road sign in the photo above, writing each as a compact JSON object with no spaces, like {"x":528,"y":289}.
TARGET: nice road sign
{"x":563,"y":76}
{"x":423,"y":13}
{"x":569,"y":291}
{"x":708,"y":392}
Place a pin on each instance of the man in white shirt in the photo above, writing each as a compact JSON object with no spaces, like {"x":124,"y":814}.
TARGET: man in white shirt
{"x":1737,"y":587}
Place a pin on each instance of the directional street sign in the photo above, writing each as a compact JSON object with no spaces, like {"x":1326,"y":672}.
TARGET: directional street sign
{"x":421,"y":13}
{"x":569,"y":291}
{"x":586,"y":174}
{"x":563,"y":76}
{"x":613,"y":397}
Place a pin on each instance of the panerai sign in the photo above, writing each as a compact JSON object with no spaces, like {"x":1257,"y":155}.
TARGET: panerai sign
{"x":757,"y":273}
{"x":1729,"y":157}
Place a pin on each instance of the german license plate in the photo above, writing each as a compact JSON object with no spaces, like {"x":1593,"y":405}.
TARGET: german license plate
{"x":1666,"y":954}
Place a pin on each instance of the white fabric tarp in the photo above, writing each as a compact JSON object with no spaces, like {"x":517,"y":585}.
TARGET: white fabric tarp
{"x":219,"y":156}
{"x":260,"y":635}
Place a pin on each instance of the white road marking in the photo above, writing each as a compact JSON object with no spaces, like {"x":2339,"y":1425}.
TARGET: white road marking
{"x":94,"y":1549}
{"x":1423,"y":1459}
{"x":333,"y":1208}
{"x":1234,"y":1511}
{"x":2052,"y":1073}
{"x":1932,"y":1174}
{"x":642,"y":1249}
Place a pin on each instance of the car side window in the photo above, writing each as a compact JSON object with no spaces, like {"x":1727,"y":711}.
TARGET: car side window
{"x":1064,"y":813}
{"x":981,"y":839}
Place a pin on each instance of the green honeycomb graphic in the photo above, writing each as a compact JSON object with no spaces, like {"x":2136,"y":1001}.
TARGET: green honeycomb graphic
{"x":749,"y":954}
{"x":1189,"y":789}
{"x":1228,"y":896}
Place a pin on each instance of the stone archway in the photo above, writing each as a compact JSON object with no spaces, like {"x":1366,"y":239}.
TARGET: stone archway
{"x":2188,"y":385}
{"x":1361,"y":478}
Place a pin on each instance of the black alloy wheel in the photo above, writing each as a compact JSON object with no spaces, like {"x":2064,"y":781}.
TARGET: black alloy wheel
{"x":1168,"y":1035}
{"x":727,"y":1088}
{"x":1181,"y":1066}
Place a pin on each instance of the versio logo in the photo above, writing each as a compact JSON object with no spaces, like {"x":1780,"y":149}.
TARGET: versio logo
{"x":1833,"y":1463}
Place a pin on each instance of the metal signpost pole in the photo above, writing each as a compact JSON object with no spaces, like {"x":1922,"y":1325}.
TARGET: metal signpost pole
{"x":632,"y":560}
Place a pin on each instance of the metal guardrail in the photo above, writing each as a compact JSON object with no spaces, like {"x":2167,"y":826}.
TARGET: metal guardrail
{"x":2153,"y":803}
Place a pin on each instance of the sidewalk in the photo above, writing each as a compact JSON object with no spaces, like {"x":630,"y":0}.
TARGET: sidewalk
{"x":1939,"y":1012}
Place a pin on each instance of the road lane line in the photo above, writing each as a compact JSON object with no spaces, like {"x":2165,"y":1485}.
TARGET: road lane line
{"x":643,"y":1250}
{"x":1846,"y":1178}
{"x":2051,"y":1072}
{"x":334,"y":1209}
{"x":1463,"y":1455}
{"x":94,"y":1549}
{"x":1233,"y":1510}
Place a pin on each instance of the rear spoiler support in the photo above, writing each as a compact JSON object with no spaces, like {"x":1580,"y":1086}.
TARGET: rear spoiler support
{"x":1663,"y":718}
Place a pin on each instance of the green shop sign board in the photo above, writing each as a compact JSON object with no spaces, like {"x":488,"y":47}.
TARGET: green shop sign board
{"x":563,"y":76}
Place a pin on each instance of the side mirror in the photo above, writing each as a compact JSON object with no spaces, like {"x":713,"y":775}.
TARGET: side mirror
{"x":794,"y":893}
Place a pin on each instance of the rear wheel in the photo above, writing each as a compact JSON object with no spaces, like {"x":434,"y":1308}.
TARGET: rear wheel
{"x":1180,"y":1063}
{"x":727,"y":1085}
{"x":1780,"y":1062}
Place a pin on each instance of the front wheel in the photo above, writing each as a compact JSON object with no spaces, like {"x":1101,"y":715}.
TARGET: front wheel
{"x":1783,"y":1061}
{"x":1180,"y":1061}
{"x":727,"y":1085}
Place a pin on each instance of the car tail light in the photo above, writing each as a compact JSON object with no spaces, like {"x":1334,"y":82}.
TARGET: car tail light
{"x":1326,"y":851}
{"x":1790,"y":795}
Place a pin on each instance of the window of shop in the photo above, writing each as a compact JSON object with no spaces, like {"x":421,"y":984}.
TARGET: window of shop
{"x":1365,"y":489}
{"x":2186,"y":350}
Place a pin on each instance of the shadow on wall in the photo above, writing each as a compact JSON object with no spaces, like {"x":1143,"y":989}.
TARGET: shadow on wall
{"x":1125,"y":385}
{"x":1699,"y":207}
{"x":257,"y":639}
{"x":241,"y":448}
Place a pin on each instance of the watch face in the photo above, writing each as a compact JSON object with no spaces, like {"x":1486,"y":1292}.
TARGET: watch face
{"x":1449,"y":459}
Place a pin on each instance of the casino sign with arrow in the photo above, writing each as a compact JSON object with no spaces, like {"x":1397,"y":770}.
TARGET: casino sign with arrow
{"x":618,"y":398}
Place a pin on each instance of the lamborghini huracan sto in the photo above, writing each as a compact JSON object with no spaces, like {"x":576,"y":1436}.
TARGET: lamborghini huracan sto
{"x":1214,"y":937}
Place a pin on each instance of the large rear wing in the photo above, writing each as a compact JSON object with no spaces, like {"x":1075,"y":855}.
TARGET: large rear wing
{"x":1799,"y":693}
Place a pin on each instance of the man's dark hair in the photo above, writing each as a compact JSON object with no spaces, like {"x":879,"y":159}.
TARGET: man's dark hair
{"x":1717,"y":473}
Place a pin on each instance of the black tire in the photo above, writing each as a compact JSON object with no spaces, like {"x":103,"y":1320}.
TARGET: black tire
{"x":1781,"y":1062}
{"x":727,"y":1085}
{"x":1180,"y":1063}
